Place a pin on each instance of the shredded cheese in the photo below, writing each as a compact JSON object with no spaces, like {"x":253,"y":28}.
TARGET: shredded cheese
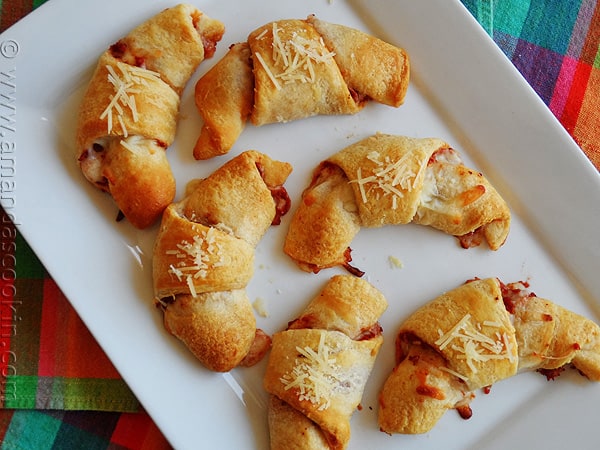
{"x":260,"y":307}
{"x":454,"y":372}
{"x":137,"y":144}
{"x":395,"y":262}
{"x":126,"y":84}
{"x":293,"y":59}
{"x":388,"y":178}
{"x":195,"y":258}
{"x":269,"y":73}
{"x":474,"y":346}
{"x":315,"y":375}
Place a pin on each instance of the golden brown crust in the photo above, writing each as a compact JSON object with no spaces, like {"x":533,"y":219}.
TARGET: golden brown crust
{"x":353,"y":360}
{"x":173,"y":43}
{"x":217,"y":327}
{"x":401,"y":411}
{"x":224,"y":97}
{"x":227,"y":260}
{"x":471,"y":337}
{"x":156,"y":110}
{"x":225,"y":196}
{"x":298,"y":72}
{"x":203,"y":259}
{"x":324,"y":223}
{"x":346,"y":304}
{"x":368,"y":157}
{"x":325,"y":93}
{"x":317,"y":342}
{"x":370,"y":66}
{"x":128,"y":114}
{"x":289,"y":429}
{"x":459,"y":209}
{"x":550,"y":336}
{"x":390,"y":180}
{"x":478,"y":304}
{"x":142,"y":167}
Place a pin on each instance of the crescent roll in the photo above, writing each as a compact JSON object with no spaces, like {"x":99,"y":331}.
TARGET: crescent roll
{"x":292,"y":69}
{"x":390,"y":180}
{"x":203,"y":259}
{"x":128,"y":115}
{"x":318,"y":366}
{"x":471,"y":337}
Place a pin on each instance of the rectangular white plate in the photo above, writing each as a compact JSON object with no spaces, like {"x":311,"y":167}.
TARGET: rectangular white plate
{"x":463,"y":90}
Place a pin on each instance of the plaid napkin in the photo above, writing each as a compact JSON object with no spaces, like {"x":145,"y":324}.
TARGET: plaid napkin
{"x":57,"y":387}
{"x":48,"y":358}
{"x":556,"y":46}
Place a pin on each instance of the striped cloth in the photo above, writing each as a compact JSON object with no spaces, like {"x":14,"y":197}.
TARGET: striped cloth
{"x":59,"y":390}
{"x":89,"y":430}
{"x":53,"y":362}
{"x":555,"y":44}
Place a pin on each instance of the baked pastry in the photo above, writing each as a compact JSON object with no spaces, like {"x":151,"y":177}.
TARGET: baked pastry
{"x":388,"y":180}
{"x":203,"y":259}
{"x":319,"y":365}
{"x":128,"y":115}
{"x":292,"y":69}
{"x":473,"y":336}
{"x":224,"y":98}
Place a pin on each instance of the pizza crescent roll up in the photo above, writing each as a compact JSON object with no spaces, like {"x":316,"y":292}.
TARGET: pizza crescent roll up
{"x":471,"y":337}
{"x":297,"y":69}
{"x":203,"y":259}
{"x":128,"y":115}
{"x":391,"y":180}
{"x":319,"y":365}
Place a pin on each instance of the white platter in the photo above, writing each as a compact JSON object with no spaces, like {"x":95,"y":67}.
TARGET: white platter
{"x":463,"y":90}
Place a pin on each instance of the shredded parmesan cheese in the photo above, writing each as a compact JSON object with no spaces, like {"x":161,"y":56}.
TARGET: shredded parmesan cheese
{"x":126,"y":84}
{"x":474,"y":346}
{"x":138,"y":145}
{"x":315,"y":375}
{"x":293,"y":59}
{"x":388,"y":178}
{"x":269,"y":73}
{"x":395,"y":262}
{"x":196,"y":258}
{"x":454,"y":372}
{"x":260,"y":307}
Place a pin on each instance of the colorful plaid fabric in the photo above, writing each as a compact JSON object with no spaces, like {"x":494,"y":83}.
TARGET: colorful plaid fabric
{"x":555,"y":44}
{"x":90,"y":430}
{"x":48,"y":358}
{"x":57,"y":387}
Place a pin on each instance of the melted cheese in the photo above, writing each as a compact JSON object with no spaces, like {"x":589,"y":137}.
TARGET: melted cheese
{"x":196,"y":258}
{"x":474,"y":346}
{"x":315,"y":374}
{"x":139,"y":145}
{"x":125,"y":84}
{"x":293,"y":59}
